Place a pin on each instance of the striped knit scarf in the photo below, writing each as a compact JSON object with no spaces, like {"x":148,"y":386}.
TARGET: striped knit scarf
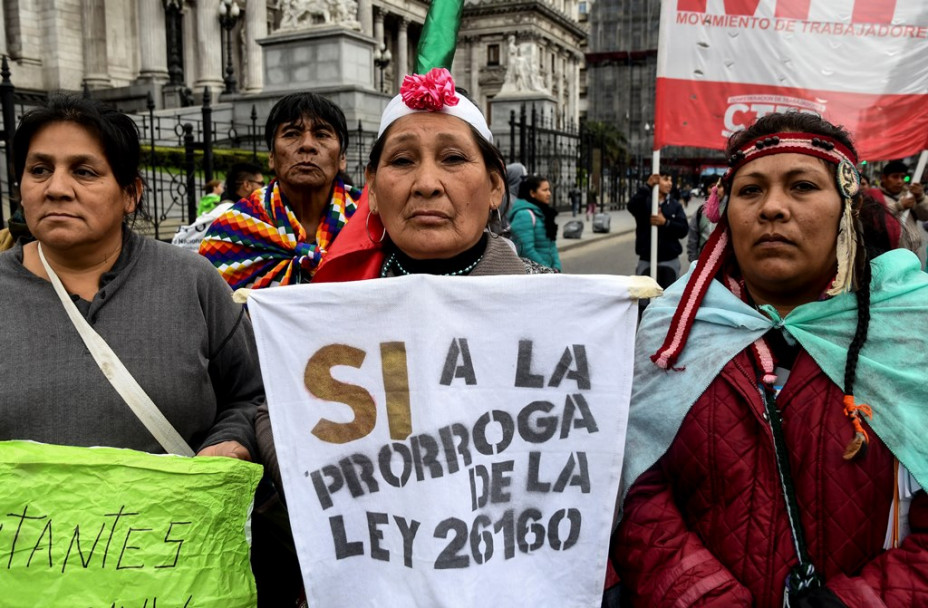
{"x":259,"y":242}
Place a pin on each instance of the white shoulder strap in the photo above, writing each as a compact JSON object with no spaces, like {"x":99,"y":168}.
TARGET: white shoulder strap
{"x":133,"y":394}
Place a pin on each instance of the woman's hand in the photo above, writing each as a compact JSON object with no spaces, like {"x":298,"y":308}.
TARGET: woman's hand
{"x":228,"y":449}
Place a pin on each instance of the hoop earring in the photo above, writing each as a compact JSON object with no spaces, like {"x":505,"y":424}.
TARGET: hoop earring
{"x":367,"y":229}
{"x":499,"y":217}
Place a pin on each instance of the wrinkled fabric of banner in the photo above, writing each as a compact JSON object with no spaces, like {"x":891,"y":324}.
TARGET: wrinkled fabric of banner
{"x":457,"y":441}
{"x":104,"y":527}
{"x":857,"y":63}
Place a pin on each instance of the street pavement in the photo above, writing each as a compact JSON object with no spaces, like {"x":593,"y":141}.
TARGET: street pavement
{"x":622,"y":222}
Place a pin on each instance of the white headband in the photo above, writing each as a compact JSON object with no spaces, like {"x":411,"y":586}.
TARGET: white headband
{"x":433,"y":92}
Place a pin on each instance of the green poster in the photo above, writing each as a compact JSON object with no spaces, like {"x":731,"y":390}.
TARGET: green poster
{"x":113,"y":528}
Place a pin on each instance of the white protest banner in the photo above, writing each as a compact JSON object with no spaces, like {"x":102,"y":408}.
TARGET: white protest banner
{"x":449,"y":441}
{"x":857,"y":63}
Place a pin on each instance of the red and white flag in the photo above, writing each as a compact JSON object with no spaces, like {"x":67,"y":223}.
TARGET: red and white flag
{"x":862,"y":64}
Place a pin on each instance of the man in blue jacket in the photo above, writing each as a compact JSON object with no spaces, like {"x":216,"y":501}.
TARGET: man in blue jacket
{"x":671,"y":227}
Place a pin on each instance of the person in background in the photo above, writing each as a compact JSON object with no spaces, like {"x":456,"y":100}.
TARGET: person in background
{"x":163,"y":311}
{"x":241,"y":180}
{"x":515,"y":173}
{"x":281,"y":232}
{"x":776,"y":447}
{"x":685,"y":194}
{"x":575,"y":198}
{"x":671,"y":225}
{"x":531,"y":217}
{"x":701,"y":227}
{"x":864,"y":183}
{"x":590,"y":204}
{"x":907,"y":203}
{"x":213,"y":189}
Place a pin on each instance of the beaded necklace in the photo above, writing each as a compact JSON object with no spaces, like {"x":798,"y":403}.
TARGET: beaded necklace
{"x":458,"y":265}
{"x":393,"y":262}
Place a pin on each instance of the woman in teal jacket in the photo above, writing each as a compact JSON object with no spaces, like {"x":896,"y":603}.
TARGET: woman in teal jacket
{"x":532,"y":221}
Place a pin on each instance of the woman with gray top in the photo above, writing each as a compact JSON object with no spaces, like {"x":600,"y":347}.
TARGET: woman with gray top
{"x":165,"y":312}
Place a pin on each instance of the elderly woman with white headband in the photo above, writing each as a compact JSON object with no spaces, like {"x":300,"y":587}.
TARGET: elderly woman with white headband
{"x":434,"y":181}
{"x":776,"y":444}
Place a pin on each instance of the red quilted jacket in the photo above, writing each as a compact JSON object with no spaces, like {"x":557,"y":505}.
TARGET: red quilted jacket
{"x":707,"y":524}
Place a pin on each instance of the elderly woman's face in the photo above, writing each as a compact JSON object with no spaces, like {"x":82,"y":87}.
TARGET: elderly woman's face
{"x":432,"y":188}
{"x":784,"y":211}
{"x":70,"y":196}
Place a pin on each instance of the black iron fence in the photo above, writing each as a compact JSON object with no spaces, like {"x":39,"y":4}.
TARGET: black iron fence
{"x":573,"y":159}
{"x":180,"y":153}
{"x":183,"y":151}
{"x":544,"y":150}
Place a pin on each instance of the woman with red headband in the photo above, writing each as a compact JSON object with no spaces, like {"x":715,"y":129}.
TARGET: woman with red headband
{"x":776,"y":447}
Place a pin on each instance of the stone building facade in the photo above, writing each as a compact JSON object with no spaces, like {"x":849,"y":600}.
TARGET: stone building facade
{"x":546,"y":37}
{"x":124,"y":49}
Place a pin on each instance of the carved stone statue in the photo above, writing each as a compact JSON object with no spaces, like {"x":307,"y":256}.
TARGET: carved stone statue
{"x":302,"y":14}
{"x":522,"y":73}
{"x":345,"y":12}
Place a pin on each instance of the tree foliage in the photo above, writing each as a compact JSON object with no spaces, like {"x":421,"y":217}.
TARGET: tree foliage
{"x":608,"y":137}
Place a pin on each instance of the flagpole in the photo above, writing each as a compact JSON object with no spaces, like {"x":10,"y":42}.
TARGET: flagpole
{"x":655,"y":206}
{"x":920,"y":167}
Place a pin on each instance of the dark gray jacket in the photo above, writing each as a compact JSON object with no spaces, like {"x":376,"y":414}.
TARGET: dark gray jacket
{"x":169,"y":317}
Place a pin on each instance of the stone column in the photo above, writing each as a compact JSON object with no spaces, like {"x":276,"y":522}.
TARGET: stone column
{"x":366,"y":17}
{"x":93,"y":16}
{"x":378,"y":27}
{"x":152,"y":54}
{"x":255,"y":29}
{"x":12,"y":32}
{"x":209,"y":41}
{"x":474,"y":61}
{"x":3,"y":27}
{"x":574,"y":90}
{"x":563,"y":83}
{"x":402,"y":52}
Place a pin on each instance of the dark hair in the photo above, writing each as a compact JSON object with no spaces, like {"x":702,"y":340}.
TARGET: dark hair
{"x":236,"y":175}
{"x":894,"y":166}
{"x":294,"y":107}
{"x":116,"y":132}
{"x":492,"y":158}
{"x":530,"y":184}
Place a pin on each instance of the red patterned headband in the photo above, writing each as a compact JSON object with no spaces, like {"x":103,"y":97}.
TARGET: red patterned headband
{"x":820,"y":146}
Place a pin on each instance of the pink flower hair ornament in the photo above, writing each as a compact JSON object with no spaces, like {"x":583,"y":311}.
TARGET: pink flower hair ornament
{"x":430,"y":92}
{"x":433,"y":92}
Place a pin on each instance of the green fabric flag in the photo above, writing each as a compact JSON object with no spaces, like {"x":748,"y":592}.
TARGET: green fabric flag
{"x":439,"y":35}
{"x":114,"y":528}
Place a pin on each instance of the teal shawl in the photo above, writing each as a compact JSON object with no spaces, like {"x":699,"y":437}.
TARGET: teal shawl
{"x":892,"y":373}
